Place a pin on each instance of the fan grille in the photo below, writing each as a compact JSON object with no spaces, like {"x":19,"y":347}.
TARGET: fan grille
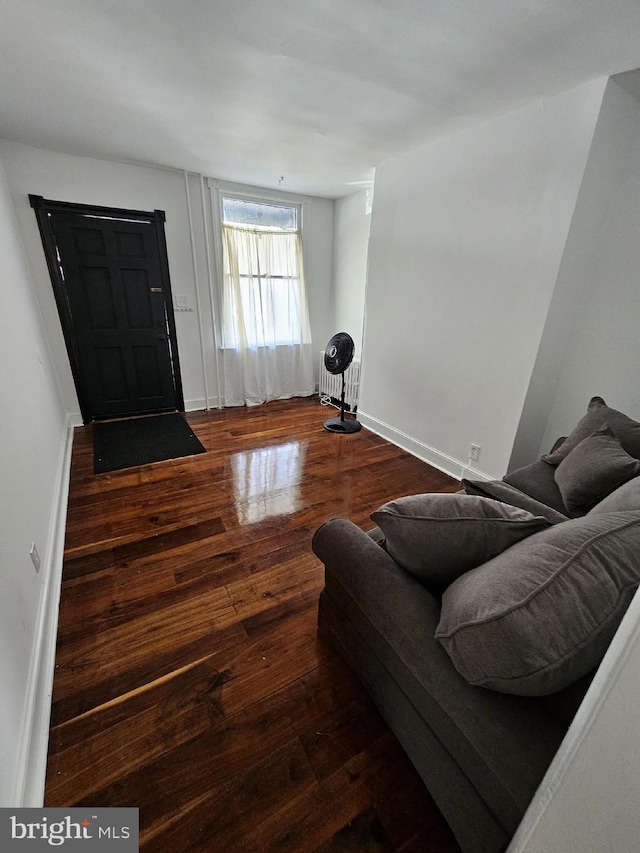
{"x":338,"y":353}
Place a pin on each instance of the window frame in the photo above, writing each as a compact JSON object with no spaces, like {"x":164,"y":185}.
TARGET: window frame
{"x":276,"y":198}
{"x":221,"y":190}
{"x":265,"y":203}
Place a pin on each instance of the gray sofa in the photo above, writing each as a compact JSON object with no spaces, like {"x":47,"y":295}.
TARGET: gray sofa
{"x":480,"y":716}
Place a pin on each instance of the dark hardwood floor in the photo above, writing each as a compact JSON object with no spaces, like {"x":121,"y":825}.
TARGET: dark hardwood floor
{"x":190,"y":681}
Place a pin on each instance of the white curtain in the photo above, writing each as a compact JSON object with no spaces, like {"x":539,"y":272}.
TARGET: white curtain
{"x":266,"y":334}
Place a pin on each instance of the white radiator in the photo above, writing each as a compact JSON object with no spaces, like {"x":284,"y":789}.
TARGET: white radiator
{"x":330,"y":385}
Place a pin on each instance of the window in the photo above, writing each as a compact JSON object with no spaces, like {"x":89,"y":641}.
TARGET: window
{"x":264,"y":301}
{"x":235,"y":211}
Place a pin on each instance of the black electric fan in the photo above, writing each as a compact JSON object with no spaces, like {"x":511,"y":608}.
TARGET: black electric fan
{"x":338,"y":355}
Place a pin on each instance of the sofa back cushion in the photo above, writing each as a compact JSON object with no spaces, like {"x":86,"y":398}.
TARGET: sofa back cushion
{"x":541,"y":614}
{"x":505,"y":492}
{"x":593,"y":469}
{"x":625,"y":498}
{"x":537,"y":481}
{"x":598,"y":414}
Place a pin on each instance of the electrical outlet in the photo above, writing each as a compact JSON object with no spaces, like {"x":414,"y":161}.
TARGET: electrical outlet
{"x":474,"y":452}
{"x":35,"y":557}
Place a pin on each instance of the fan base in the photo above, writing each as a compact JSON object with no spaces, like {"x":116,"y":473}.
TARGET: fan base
{"x":339,"y":425}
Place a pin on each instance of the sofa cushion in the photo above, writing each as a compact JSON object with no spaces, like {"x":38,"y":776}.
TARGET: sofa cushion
{"x":598,"y":414}
{"x":626,"y":498}
{"x":501,"y":491}
{"x":541,"y":615}
{"x":438,"y":537}
{"x":593,"y":469}
{"x":537,"y":481}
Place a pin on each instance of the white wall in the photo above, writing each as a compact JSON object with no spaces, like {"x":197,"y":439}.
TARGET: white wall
{"x":602,"y":345}
{"x":33,"y":460}
{"x":467,"y":236}
{"x":351,"y":246}
{"x":318,"y":259}
{"x":85,"y":180}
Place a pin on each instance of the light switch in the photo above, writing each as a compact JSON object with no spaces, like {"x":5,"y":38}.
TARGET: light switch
{"x":183,"y":303}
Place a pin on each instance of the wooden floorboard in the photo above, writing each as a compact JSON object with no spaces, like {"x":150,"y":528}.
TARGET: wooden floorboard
{"x":190,"y":681}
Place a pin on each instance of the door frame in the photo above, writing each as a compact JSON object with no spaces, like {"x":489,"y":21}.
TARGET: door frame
{"x":42,"y":208}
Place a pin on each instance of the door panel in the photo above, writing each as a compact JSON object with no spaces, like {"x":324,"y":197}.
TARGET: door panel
{"x":114,"y":298}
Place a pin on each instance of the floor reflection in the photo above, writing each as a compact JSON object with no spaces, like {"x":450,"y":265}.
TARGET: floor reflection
{"x":267,"y":481}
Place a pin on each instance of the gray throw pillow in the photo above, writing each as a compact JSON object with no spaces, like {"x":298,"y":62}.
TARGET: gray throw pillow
{"x":626,"y":498}
{"x":437,"y":537}
{"x":598,"y":414}
{"x":541,"y":615}
{"x":593,"y":469}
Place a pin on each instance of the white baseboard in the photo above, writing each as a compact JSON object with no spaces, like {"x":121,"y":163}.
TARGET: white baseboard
{"x":443,"y":462}
{"x":201,"y":404}
{"x":34,"y":738}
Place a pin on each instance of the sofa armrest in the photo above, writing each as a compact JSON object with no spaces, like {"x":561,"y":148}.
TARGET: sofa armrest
{"x":340,"y":541}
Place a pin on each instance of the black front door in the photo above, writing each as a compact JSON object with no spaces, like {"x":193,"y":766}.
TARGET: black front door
{"x":111,"y":280}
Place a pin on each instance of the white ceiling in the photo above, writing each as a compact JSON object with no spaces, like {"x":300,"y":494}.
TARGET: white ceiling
{"x":305,"y":95}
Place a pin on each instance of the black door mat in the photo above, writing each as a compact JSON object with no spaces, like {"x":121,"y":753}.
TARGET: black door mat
{"x":140,"y":441}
